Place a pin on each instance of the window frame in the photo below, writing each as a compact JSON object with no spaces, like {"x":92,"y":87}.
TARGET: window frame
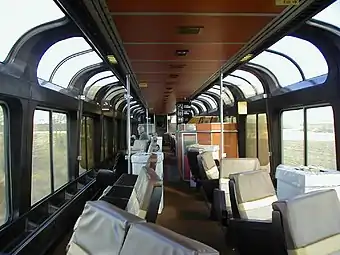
{"x":7,"y":164}
{"x":51,"y":111}
{"x":305,"y":131}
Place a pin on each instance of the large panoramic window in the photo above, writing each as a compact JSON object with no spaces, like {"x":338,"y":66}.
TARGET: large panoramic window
{"x":49,"y":153}
{"x":330,"y":15}
{"x":98,"y":81}
{"x":319,"y":146}
{"x":63,"y":60}
{"x":252,"y":79}
{"x":17,"y":18}
{"x":246,"y":88}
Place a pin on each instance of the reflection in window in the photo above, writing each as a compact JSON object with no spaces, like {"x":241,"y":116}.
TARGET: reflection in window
{"x":280,"y":69}
{"x":60,"y":162}
{"x":251,"y":147}
{"x":312,"y":66}
{"x":82,"y":163}
{"x":4,"y":202}
{"x":90,"y":142}
{"x":251,"y":79}
{"x":41,"y":160}
{"x":262,"y":140}
{"x":330,"y":15}
{"x":64,"y":59}
{"x":292,"y":137}
{"x":23,"y":16}
{"x":321,"y":137}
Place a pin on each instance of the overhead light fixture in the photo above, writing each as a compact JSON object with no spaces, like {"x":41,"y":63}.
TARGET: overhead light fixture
{"x":173,"y":76}
{"x":287,"y":2}
{"x":169,"y":89}
{"x":182,"y":53}
{"x":143,"y":85}
{"x":247,"y":57}
{"x":189,"y":30}
{"x":177,"y":66}
{"x":112,"y":59}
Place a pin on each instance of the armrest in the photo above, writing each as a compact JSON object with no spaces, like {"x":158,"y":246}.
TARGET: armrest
{"x":217,"y":162}
{"x":120,"y":192}
{"x":250,"y":224}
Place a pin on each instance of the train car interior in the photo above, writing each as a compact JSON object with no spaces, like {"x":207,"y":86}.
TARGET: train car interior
{"x":170,"y":127}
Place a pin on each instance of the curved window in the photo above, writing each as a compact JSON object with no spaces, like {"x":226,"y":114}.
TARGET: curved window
{"x":208,"y":100}
{"x":92,"y":91}
{"x":97,"y":77}
{"x":200,"y":104}
{"x":18,"y":17}
{"x":195,"y":109}
{"x":330,"y":14}
{"x":251,"y":78}
{"x":246,"y":88}
{"x":64,"y":59}
{"x":304,"y":53}
{"x":115,"y":92}
{"x":227,"y":99}
{"x":132,"y":105}
{"x":285,"y":71}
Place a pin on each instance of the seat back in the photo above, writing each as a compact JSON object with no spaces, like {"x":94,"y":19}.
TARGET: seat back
{"x":193,"y":162}
{"x":310,"y":222}
{"x":140,"y":145}
{"x":101,"y":229}
{"x":209,"y":165}
{"x":252,"y":194}
{"x":148,"y":238}
{"x":142,"y":192}
{"x":233,"y":166}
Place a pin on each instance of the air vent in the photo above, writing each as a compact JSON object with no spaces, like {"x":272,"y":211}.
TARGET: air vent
{"x":182,"y":53}
{"x":189,"y":30}
{"x":168,"y":88}
{"x":173,"y":76}
{"x":177,"y":66}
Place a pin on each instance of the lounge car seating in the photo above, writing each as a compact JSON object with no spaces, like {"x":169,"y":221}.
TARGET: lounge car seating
{"x":148,"y":238}
{"x":233,"y":166}
{"x":309,"y":224}
{"x":251,"y":196}
{"x":139,"y":145}
{"x":142,"y":199}
{"x":106,"y":229}
{"x":101,"y":229}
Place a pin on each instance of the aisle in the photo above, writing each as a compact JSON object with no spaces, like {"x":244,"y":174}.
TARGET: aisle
{"x":185,"y":211}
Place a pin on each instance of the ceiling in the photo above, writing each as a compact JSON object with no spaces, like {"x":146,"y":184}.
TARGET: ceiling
{"x":150,"y":33}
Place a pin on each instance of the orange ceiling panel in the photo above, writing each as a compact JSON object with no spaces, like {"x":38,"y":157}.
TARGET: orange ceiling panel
{"x":197,"y":52}
{"x":205,"y":6}
{"x":149,"y":32}
{"x":239,"y":29}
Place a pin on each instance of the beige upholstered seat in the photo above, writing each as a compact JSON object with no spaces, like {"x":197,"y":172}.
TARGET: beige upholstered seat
{"x":255,"y":194}
{"x":142,"y":191}
{"x":232,"y":166}
{"x":140,"y":145}
{"x":148,"y":238}
{"x":209,"y":165}
{"x":311,"y":223}
{"x":101,"y":229}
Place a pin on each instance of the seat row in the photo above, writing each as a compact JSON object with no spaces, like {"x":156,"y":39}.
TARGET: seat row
{"x":105,"y":229}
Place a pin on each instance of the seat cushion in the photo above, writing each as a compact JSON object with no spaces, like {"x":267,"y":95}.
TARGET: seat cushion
{"x":101,"y":229}
{"x":311,"y":222}
{"x":209,"y":165}
{"x":148,"y":238}
{"x":255,"y":194}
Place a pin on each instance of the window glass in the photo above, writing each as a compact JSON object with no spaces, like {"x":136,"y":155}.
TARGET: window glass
{"x":312,"y":66}
{"x":263,"y":146}
{"x":90,"y":142}
{"x":245,"y":87}
{"x":250,"y":78}
{"x":281,"y":68}
{"x":196,"y":110}
{"x":292,"y":137}
{"x":67,"y":70}
{"x":82,"y":163}
{"x":60,"y":153}
{"x":321,"y":137}
{"x":41,"y":158}
{"x":23,"y":16}
{"x":97,"y":77}
{"x":114,"y":92}
{"x":3,"y":169}
{"x":210,"y":102}
{"x":202,"y":106}
{"x":330,"y":14}
{"x":58,"y":52}
{"x":251,"y":136}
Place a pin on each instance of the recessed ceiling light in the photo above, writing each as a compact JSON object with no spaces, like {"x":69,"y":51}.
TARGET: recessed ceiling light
{"x":177,"y":66}
{"x":173,"y":76}
{"x":112,"y":59}
{"x":143,"y":85}
{"x":189,"y":30}
{"x":182,"y":53}
{"x":247,"y":57}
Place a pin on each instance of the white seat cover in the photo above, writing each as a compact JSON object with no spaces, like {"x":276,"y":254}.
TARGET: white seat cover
{"x":149,"y":239}
{"x":101,"y":229}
